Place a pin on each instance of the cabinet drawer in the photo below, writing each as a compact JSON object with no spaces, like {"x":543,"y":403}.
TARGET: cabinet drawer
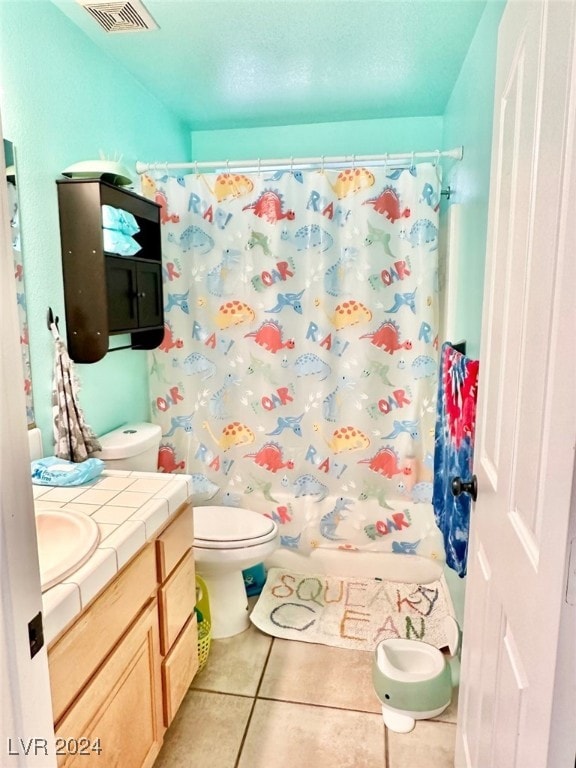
{"x":120,"y":710}
{"x":179,"y":668}
{"x":173,"y":542}
{"x":77,"y":654}
{"x":177,"y":600}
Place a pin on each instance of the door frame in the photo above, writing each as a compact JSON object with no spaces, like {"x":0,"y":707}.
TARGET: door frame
{"x":27,"y":732}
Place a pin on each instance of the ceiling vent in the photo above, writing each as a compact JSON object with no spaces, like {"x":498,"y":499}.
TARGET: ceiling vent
{"x":126,"y":16}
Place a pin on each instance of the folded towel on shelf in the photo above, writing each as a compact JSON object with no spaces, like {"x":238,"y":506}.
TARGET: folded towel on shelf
{"x":119,"y":219}
{"x":118,"y":226}
{"x":119,"y":243}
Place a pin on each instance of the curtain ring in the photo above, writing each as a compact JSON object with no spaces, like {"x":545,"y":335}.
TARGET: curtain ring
{"x":258,"y":166}
{"x":322,"y":165}
{"x":228,"y":167}
{"x":292,"y":164}
{"x":412,"y":161}
{"x":386,"y":162}
{"x":354,"y":162}
{"x":437,"y":158}
{"x":196,"y":167}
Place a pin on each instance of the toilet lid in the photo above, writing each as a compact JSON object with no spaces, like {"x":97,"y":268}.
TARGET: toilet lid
{"x":229,"y":527}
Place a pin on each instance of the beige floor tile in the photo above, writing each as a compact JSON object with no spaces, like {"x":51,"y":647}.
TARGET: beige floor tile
{"x":283,"y":735}
{"x":207,"y":730}
{"x":429,"y":745}
{"x":320,"y":674}
{"x":235,"y":664}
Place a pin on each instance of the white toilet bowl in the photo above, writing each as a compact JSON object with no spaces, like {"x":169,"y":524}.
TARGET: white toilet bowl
{"x":227,"y":541}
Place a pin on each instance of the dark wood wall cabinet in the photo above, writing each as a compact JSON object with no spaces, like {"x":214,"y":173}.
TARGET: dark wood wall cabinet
{"x":106,"y":294}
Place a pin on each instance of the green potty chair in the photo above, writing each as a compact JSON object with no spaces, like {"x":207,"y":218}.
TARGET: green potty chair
{"x":413,"y":679}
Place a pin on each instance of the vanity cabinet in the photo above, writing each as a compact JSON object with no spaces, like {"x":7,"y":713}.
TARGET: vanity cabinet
{"x":119,"y":673}
{"x":116,"y":719}
{"x":177,"y":597}
{"x":104,"y":293}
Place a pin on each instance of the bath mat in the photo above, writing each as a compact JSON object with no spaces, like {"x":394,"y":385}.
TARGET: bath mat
{"x":351,"y":612}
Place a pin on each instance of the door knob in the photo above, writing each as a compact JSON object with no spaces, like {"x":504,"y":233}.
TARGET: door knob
{"x":461,"y":486}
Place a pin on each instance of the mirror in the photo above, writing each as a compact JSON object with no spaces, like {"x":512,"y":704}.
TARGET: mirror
{"x":14,"y":213}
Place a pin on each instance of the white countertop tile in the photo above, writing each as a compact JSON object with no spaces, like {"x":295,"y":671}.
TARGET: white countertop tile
{"x":176,"y":493}
{"x":60,"y":605}
{"x":153,"y":514}
{"x":95,"y":496}
{"x":131,"y":499}
{"x":127,"y":540}
{"x":88,"y":509}
{"x":114,"y":483}
{"x":129,"y":508}
{"x":112,"y":514}
{"x":94,"y":574}
{"x":60,"y":493}
{"x":151,"y":485}
{"x":106,"y":529}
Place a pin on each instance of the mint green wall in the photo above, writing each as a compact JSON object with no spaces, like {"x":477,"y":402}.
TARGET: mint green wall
{"x":62,"y":101}
{"x":360,"y":137}
{"x":468,"y":121}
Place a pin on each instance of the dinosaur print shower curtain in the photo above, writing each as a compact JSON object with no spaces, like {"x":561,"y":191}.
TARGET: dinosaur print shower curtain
{"x":298,"y":371}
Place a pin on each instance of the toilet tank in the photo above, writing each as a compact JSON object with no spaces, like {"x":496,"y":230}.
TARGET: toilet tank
{"x":131,"y":447}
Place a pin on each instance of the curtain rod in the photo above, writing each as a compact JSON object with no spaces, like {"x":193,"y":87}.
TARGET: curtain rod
{"x":300,"y":163}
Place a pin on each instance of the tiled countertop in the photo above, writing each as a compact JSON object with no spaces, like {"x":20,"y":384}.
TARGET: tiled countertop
{"x":130,"y":508}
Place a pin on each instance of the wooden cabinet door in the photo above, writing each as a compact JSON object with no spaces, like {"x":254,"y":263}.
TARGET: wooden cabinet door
{"x":117,"y":721}
{"x":149,"y":289}
{"x":121,"y":283}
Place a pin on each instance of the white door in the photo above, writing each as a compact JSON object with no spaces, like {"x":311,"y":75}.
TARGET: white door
{"x":26,"y":731}
{"x":526,"y":426}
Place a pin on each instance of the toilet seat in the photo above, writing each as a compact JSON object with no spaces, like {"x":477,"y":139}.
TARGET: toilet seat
{"x":231,"y":528}
{"x":409,"y":661}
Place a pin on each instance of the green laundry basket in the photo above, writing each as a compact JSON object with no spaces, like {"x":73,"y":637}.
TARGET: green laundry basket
{"x":203,"y":617}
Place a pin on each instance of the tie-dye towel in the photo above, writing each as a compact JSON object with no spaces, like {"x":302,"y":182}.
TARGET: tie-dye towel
{"x":454,"y":451}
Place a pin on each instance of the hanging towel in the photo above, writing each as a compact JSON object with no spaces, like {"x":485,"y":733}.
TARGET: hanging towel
{"x":454,"y":451}
{"x":74,"y":440}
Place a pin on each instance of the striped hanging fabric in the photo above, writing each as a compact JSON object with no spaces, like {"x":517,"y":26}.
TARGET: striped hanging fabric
{"x":74,"y":440}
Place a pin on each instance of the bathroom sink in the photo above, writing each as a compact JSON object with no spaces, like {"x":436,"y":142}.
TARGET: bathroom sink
{"x":66,"y":539}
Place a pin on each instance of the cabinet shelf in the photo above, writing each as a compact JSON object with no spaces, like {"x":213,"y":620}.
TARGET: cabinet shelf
{"x":106,"y":294}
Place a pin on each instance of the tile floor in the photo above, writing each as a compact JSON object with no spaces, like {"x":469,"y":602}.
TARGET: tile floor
{"x":262,"y":702}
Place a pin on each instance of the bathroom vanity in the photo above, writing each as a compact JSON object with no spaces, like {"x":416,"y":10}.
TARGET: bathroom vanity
{"x":122,"y":658}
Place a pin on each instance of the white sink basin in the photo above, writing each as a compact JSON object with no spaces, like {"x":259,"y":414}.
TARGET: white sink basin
{"x":66,"y":539}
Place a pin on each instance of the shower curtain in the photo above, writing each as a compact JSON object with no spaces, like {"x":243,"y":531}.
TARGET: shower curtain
{"x":298,"y":371}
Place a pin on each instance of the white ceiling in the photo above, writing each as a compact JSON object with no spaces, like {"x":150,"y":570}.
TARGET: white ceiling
{"x":249,"y":63}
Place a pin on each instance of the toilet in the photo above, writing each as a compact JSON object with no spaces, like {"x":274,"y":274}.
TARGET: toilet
{"x":227,"y":540}
{"x":413,"y":679}
{"x":131,"y":447}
